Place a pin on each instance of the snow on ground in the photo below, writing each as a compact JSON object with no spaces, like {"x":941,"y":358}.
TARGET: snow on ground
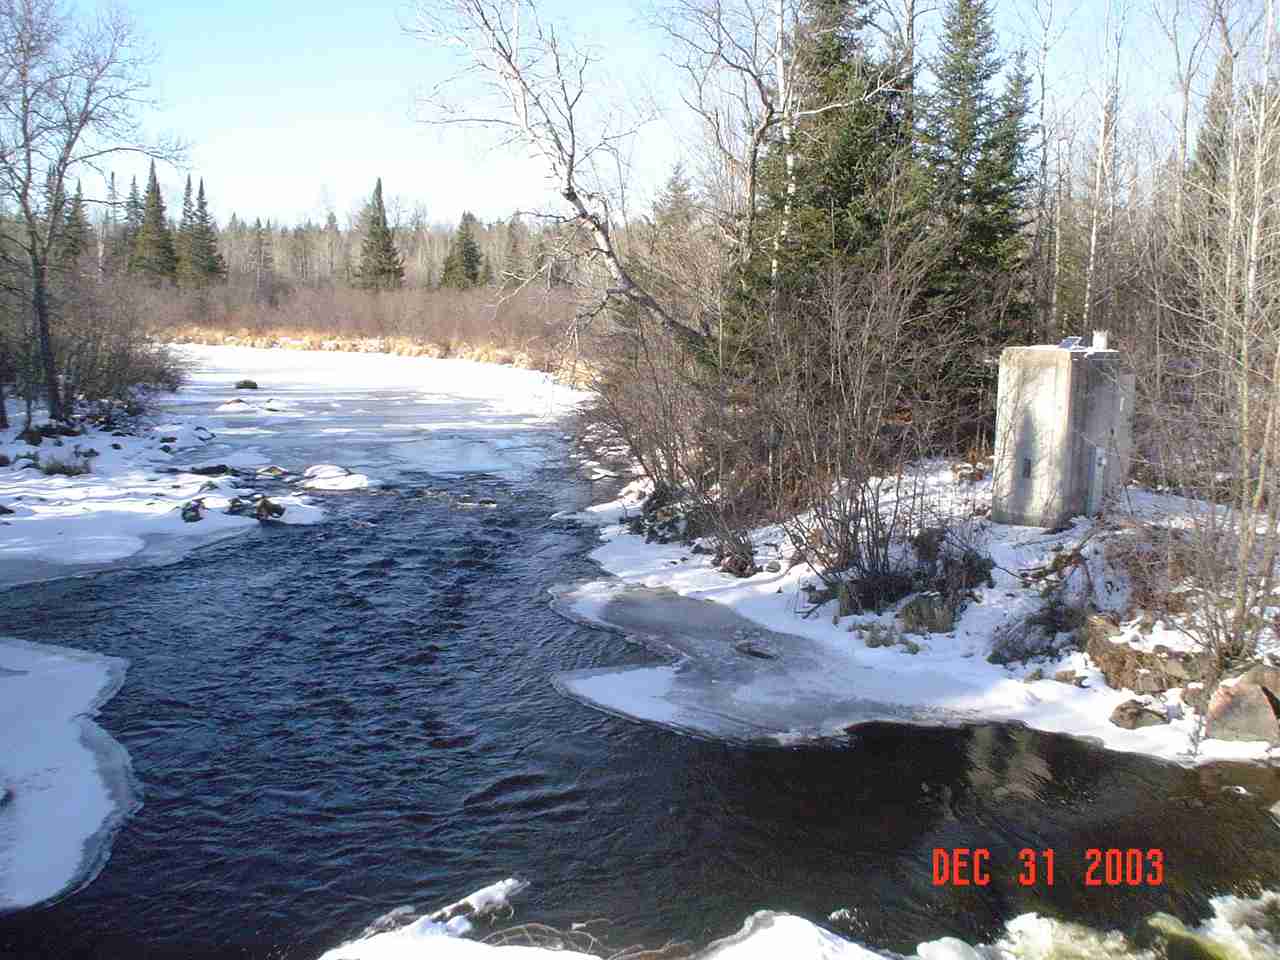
{"x":1237,"y":927}
{"x":65,"y":785}
{"x":802,"y":676}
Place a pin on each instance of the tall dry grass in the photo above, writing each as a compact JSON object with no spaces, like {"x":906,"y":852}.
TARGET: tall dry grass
{"x":527,"y":328}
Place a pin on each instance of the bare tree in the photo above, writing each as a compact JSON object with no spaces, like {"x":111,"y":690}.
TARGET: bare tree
{"x":70,"y":93}
{"x":518,"y":76}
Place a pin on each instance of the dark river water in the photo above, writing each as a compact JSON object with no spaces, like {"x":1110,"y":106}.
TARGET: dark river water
{"x":328,"y":722}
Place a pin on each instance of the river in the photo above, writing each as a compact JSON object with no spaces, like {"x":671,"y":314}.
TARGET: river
{"x":330,"y":721}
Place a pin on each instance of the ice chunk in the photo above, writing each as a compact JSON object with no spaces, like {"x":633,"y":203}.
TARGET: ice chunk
{"x":70,"y":783}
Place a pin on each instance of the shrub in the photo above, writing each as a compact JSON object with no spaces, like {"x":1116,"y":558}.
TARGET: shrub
{"x":65,"y":468}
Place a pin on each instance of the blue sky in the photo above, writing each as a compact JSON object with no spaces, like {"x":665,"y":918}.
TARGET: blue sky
{"x":293,"y":107}
{"x":290,"y":107}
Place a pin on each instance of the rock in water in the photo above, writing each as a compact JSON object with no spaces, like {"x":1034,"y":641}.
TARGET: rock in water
{"x":1133,"y":714}
{"x":193,"y":511}
{"x":246,"y":385}
{"x":1249,"y":709}
{"x":266,"y":510}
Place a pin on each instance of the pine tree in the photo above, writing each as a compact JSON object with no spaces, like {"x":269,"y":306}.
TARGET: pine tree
{"x":1208,"y":166}
{"x":975,"y":143}
{"x":205,"y":263}
{"x":132,"y":224}
{"x":187,"y":272}
{"x":76,"y":235}
{"x":154,"y":256}
{"x":463,"y":264}
{"x":381,"y":266}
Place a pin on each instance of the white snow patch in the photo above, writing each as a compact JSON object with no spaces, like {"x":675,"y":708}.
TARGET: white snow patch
{"x":828,"y":678}
{"x":69,"y":782}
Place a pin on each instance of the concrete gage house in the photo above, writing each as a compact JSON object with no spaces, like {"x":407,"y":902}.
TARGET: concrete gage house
{"x":1063,"y":431}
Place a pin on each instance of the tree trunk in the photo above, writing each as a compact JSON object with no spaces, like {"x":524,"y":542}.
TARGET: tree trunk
{"x":40,"y":318}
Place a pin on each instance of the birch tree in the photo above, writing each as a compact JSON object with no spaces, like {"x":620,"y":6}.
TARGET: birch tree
{"x":71,"y":89}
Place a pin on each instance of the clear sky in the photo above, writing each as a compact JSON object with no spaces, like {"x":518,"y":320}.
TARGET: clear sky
{"x":291,"y":107}
{"x":294,"y":107}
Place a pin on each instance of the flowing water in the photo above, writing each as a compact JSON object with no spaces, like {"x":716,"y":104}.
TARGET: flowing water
{"x":328,"y":722}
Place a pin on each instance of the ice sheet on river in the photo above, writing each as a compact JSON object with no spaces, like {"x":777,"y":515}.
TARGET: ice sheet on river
{"x":68,"y":785}
{"x":730,"y":678}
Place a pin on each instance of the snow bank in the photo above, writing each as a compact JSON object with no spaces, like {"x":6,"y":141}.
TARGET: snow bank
{"x":70,"y":784}
{"x":1238,"y":927}
{"x":826,"y":673}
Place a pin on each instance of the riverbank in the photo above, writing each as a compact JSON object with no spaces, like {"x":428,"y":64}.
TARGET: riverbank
{"x":764,"y":657}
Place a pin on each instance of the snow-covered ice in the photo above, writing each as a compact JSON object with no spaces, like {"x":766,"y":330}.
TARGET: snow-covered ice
{"x":1237,"y":927}
{"x":69,"y":784}
{"x":801,"y":677}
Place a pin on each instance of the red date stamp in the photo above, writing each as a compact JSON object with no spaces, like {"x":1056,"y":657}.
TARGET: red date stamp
{"x":1109,"y":867}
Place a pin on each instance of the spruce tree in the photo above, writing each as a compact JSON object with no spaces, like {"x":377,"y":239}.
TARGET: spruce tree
{"x":188,"y":274}
{"x":1208,"y":166}
{"x":132,"y":224}
{"x":381,"y":266}
{"x":205,"y":263}
{"x":463,"y":264}
{"x":76,"y":235}
{"x":975,"y":144}
{"x":154,"y":256}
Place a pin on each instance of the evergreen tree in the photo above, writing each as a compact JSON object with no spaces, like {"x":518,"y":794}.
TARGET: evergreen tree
{"x":187,"y":271}
{"x":1208,"y":166}
{"x":205,"y":263}
{"x":77,"y":238}
{"x":132,"y":224}
{"x":154,"y":256}
{"x":975,"y":144}
{"x":463,"y":264}
{"x":381,"y":266}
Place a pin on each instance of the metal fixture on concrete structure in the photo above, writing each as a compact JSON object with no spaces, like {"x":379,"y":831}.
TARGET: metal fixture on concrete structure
{"x":1063,"y":431}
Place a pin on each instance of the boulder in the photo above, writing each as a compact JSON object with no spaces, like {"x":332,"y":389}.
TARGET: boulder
{"x":266,"y":510}
{"x":1127,"y":668}
{"x":212,"y":470}
{"x":1248,"y":709}
{"x":1133,"y":714}
{"x":193,"y":511}
{"x":271,"y":471}
{"x":246,"y":385}
{"x":927,"y":613}
{"x":4,"y":511}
